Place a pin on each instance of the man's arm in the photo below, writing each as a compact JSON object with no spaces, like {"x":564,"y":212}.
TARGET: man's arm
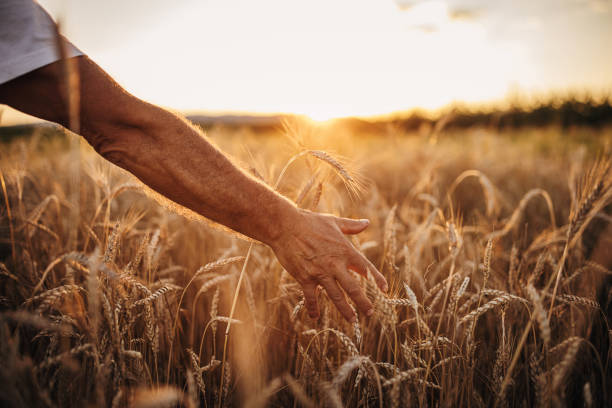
{"x":173,"y":158}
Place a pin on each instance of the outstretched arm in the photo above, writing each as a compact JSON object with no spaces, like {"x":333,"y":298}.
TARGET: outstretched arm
{"x":173,"y":158}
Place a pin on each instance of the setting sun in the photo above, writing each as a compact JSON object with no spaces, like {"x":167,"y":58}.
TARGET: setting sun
{"x":313,"y":203}
{"x":326,"y":58}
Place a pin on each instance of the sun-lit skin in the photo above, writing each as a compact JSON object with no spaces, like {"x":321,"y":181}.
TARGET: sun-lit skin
{"x":337,"y":58}
{"x":176,"y":160}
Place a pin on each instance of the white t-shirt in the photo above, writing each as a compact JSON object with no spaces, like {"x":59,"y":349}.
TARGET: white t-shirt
{"x":27,"y":39}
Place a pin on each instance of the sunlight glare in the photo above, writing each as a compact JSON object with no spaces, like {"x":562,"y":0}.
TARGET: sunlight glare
{"x":322,"y":59}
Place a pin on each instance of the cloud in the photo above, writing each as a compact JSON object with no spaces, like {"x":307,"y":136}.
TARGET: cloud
{"x":464,"y":14}
{"x":597,"y":6}
{"x":453,"y":13}
{"x":433,"y":15}
{"x":405,"y":4}
{"x":600,"y":6}
{"x":426,"y":28}
{"x":529,"y":23}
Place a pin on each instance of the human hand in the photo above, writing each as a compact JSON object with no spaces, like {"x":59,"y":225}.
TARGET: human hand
{"x":313,"y":248}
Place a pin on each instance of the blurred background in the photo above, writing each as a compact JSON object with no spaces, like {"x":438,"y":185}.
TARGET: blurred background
{"x":329,"y":59}
{"x":478,"y":134}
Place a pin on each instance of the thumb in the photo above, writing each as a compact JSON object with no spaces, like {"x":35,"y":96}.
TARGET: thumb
{"x":349,"y":226}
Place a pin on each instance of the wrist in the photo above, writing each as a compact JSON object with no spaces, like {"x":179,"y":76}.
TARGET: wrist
{"x":282,"y":223}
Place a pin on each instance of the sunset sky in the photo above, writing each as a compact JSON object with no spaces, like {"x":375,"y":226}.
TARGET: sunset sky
{"x":328,"y":58}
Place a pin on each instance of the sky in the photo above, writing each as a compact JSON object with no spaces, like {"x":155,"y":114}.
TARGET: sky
{"x":331,"y":58}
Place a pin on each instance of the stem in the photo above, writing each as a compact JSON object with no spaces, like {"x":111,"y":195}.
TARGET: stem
{"x":561,"y":264}
{"x":229,"y":323}
{"x":449,"y":285}
{"x":176,"y":317}
{"x":291,"y":160}
{"x":10,"y":217}
{"x":523,"y":339}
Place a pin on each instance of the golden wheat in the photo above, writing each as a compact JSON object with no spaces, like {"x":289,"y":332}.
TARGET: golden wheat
{"x":128,"y":315}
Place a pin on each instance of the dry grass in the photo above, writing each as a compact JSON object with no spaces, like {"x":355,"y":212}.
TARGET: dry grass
{"x":486,"y":244}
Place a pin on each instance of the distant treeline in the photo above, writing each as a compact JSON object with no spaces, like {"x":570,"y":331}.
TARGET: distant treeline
{"x":565,"y":113}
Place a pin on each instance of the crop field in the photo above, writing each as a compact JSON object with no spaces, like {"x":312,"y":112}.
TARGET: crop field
{"x":496,"y":246}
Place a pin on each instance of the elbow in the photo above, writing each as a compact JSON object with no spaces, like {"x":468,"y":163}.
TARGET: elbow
{"x":110,"y":146}
{"x":119,"y":138}
{"x":115,"y":144}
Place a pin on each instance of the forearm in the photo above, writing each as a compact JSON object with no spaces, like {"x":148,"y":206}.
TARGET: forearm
{"x":158,"y":147}
{"x":176,"y":160}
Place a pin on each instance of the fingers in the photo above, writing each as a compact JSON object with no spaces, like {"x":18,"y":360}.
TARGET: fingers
{"x":336,"y":295}
{"x":350,"y":226}
{"x":310,"y":300}
{"x":353,"y":290}
{"x":361,"y":265}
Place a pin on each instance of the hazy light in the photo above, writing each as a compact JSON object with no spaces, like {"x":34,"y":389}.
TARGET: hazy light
{"x":323,"y":58}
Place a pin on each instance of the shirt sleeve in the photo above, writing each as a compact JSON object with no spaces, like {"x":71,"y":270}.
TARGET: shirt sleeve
{"x":27,"y":39}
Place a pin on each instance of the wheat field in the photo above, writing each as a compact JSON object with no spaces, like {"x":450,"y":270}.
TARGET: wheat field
{"x":491,"y":244}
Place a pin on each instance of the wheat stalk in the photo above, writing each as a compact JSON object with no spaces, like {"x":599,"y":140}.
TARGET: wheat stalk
{"x":540,"y":314}
{"x":156,"y":295}
{"x":498,"y":301}
{"x":566,"y":363}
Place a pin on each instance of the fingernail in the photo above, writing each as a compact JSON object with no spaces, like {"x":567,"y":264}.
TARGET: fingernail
{"x":353,"y":319}
{"x":365,"y":220}
{"x":370,"y":312}
{"x":385,"y":287}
